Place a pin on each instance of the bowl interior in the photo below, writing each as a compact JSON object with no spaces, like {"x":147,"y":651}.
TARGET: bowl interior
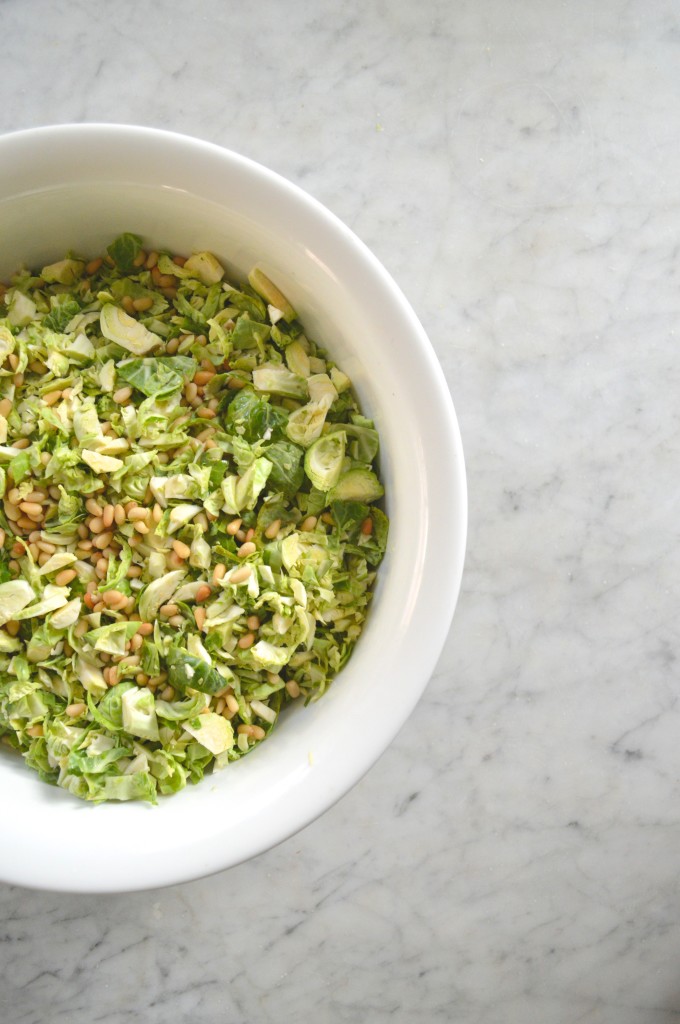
{"x":73,"y":188}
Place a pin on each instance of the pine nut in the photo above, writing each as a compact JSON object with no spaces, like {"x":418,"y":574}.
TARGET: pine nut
{"x":143,"y":303}
{"x":107,"y":516}
{"x":136,"y":514}
{"x":182,"y":550}
{"x":176,"y":621}
{"x":140,"y":259}
{"x":83,"y":532}
{"x":247,"y":640}
{"x":272,"y":529}
{"x":172,"y":346}
{"x":245,"y":730}
{"x":134,"y":571}
{"x":31,"y":508}
{"x":93,"y":507}
{"x":12,"y":627}
{"x":12,"y":512}
{"x":293,"y":689}
{"x":200,"y":615}
{"x":167,"y":610}
{"x":206,"y":414}
{"x":257,"y":732}
{"x":73,"y":710}
{"x":136,"y":642}
{"x":247,"y":549}
{"x":203,"y":377}
{"x":145,"y":628}
{"x":35,"y":731}
{"x":203,"y":593}
{"x":34,"y":550}
{"x":367,"y":526}
{"x":190,"y":392}
{"x":26,"y":523}
{"x":167,"y":693}
{"x":5,"y":407}
{"x":232,"y":703}
{"x":84,"y":545}
{"x":250,"y":534}
{"x":3,"y":537}
{"x":239,"y":575}
{"x":52,"y":397}
{"x":219,"y":573}
{"x":157,"y":513}
{"x":103,"y":540}
{"x":66,"y":576}
{"x":112,"y":597}
{"x":308,"y":524}
{"x":174,"y":561}
{"x":142,"y":678}
{"x":253,"y":622}
{"x":140,"y":527}
{"x":119,"y":515}
{"x":96,"y":525}
{"x":122,"y":395}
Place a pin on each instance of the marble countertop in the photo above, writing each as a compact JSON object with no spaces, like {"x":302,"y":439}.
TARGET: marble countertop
{"x":517,"y":169}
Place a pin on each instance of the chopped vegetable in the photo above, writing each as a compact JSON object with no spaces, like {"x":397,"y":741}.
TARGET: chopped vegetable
{"x":188,"y":529}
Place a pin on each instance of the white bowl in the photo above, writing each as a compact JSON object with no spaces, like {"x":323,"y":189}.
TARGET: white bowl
{"x":78,"y":186}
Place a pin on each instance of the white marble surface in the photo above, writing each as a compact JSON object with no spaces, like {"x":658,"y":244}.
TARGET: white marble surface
{"x":514,"y":856}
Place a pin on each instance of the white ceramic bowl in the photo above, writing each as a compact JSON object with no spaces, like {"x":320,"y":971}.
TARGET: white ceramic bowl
{"x":78,"y":186}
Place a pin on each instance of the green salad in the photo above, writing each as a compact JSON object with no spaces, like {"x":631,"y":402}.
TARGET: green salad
{"x":188,"y":527}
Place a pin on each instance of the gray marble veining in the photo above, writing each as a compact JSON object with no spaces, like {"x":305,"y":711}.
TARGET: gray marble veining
{"x":513,"y":856}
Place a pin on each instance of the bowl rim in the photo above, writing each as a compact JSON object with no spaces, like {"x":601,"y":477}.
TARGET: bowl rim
{"x":452,"y":489}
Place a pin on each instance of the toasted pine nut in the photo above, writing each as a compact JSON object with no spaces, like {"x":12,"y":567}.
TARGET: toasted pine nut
{"x":143,"y":303}
{"x":219,"y":573}
{"x":26,"y":522}
{"x":93,"y":266}
{"x":119,"y":515}
{"x":66,"y":576}
{"x":140,"y":259}
{"x":308,"y":524}
{"x":250,"y":534}
{"x":257,"y":732}
{"x":174,"y":561}
{"x":176,"y":621}
{"x":107,"y":517}
{"x":190,"y":391}
{"x":145,"y":628}
{"x":142,"y":678}
{"x":247,"y":640}
{"x":140,"y":527}
{"x":200,"y":617}
{"x":112,"y":597}
{"x":73,"y":710}
{"x":83,"y":531}
{"x":151,"y":260}
{"x":247,"y":549}
{"x":126,"y":303}
{"x":93,"y":507}
{"x":167,"y":693}
{"x":35,"y":731}
{"x":206,"y":414}
{"x":157,"y":513}
{"x":181,"y":549}
{"x":31,"y":508}
{"x":293,"y":688}
{"x":5,"y":407}
{"x":96,"y":525}
{"x":253,"y":622}
{"x":137,"y":514}
{"x":172,"y":346}
{"x":167,"y":610}
{"x":136,"y":642}
{"x":367,"y":526}
{"x":245,"y":730}
{"x":52,"y":397}
{"x":203,"y":377}
{"x":232,"y":703}
{"x":239,"y":575}
{"x":202,"y":594}
{"x":272,"y":529}
{"x":134,"y":571}
{"x":83,"y":545}
{"x":3,"y":537}
{"x":103,"y":540}
{"x":12,"y":627}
